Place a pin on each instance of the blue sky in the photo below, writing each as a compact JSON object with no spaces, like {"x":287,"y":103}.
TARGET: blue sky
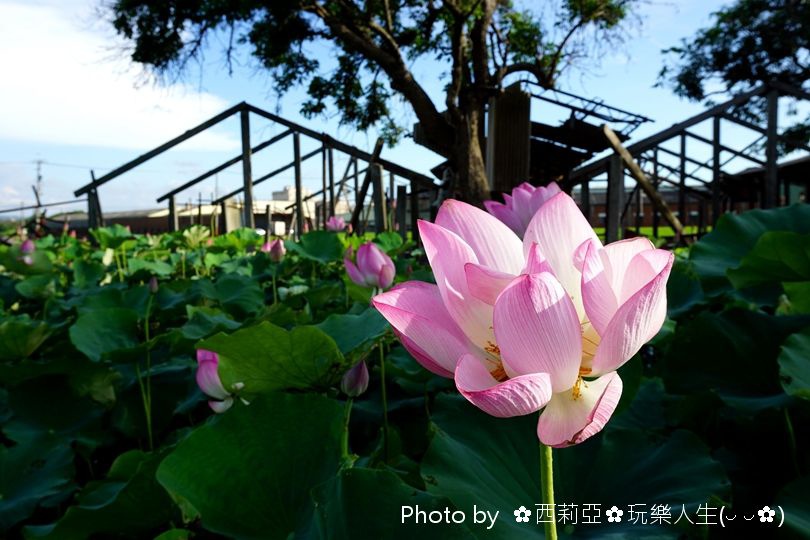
{"x":70,"y":98}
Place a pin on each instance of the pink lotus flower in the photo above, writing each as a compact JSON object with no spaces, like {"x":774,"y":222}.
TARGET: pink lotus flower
{"x":335,"y":224}
{"x":275,"y":249}
{"x":373,"y":269}
{"x":209,"y":382}
{"x":519,"y":208}
{"x":538,"y":324}
{"x":27,"y":248}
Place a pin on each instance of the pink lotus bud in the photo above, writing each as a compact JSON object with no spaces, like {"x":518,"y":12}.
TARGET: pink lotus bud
{"x":72,"y":234}
{"x":275,"y":249}
{"x":355,"y":381}
{"x":209,"y":382}
{"x":373,"y":269}
{"x":349,"y":229}
{"x":335,"y":224}
{"x":26,"y":249}
{"x":306,"y":227}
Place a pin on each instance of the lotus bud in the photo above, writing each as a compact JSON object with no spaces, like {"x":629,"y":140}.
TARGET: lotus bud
{"x":355,"y":381}
{"x":373,"y":269}
{"x":275,"y":249}
{"x":335,"y":224}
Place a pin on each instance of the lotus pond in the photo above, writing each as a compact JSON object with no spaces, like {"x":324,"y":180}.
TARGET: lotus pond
{"x":317,"y":422}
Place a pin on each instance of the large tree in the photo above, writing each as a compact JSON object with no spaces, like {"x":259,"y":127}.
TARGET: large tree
{"x":374,"y":46}
{"x":750,"y":42}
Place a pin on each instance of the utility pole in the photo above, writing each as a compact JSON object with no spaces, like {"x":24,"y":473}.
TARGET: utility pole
{"x":38,"y":190}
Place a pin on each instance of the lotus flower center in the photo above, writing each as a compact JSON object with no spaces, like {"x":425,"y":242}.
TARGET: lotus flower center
{"x":590,"y":342}
{"x":577,"y":390}
{"x":494,"y":358}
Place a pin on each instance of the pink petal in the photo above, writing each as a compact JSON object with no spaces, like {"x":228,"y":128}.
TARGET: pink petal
{"x":421,"y":356}
{"x":559,"y":228}
{"x":206,"y":356}
{"x":220,"y":407}
{"x":370,"y":259}
{"x":642,"y":269}
{"x":538,"y":331}
{"x":536,"y":262}
{"x":506,"y":215}
{"x":493,"y":243}
{"x":208,"y":380}
{"x":543,"y":194}
{"x":354,"y":273}
{"x":568,"y":420}
{"x":416,"y":312}
{"x":514,"y":397}
{"x":619,"y":254}
{"x":598,"y":295}
{"x":386,"y":276}
{"x":485,"y":283}
{"x":636,"y":321}
{"x":522,"y":204}
{"x":447,"y":254}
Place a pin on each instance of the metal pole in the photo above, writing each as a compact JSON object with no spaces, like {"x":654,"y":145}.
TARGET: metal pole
{"x":380,"y":217}
{"x":657,"y":184}
{"x":585,"y":196}
{"x":415,"y":213}
{"x":356,"y":185}
{"x":682,"y":187}
{"x":173,"y":222}
{"x":299,"y":206}
{"x":771,"y":187}
{"x":331,"y":183}
{"x":716,"y":173}
{"x":615,"y":198}
{"x":402,"y":214}
{"x":324,"y":201}
{"x":247,"y":175}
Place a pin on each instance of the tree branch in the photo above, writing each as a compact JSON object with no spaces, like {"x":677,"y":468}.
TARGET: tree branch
{"x":402,"y":80}
{"x":478,"y":37}
{"x":389,"y":19}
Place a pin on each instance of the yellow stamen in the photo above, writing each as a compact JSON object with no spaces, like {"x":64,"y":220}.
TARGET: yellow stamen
{"x":499,"y":374}
{"x":577,"y":391}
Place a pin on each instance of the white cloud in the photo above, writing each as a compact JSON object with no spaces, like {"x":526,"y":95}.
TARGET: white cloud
{"x":58,"y":85}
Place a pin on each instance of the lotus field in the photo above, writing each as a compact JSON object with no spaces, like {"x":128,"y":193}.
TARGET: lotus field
{"x":509,"y":377}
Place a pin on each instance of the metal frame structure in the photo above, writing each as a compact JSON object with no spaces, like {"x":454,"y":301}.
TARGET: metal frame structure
{"x":417,"y":182}
{"x":714,"y":194}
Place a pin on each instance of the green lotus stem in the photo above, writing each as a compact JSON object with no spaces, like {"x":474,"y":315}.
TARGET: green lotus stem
{"x":146,"y":410}
{"x":275,"y":289}
{"x":547,"y":487}
{"x":792,"y":441}
{"x":344,"y":441}
{"x":118,"y":265}
{"x":146,"y":392}
{"x":384,"y":401}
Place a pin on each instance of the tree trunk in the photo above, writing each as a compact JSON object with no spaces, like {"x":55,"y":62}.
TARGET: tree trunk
{"x":471,"y":184}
